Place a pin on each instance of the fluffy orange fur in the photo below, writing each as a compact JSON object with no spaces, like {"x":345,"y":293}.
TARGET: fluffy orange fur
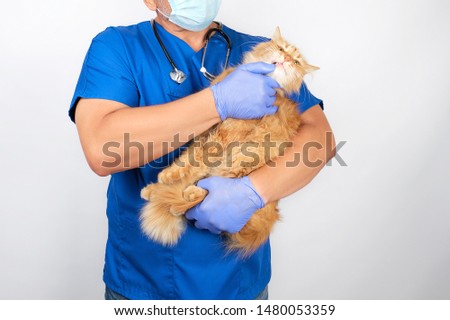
{"x":162,"y":217}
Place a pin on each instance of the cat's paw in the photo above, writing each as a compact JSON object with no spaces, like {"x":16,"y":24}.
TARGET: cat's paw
{"x":147,"y":192}
{"x":161,"y":226}
{"x":171,"y":175}
{"x":194,"y":193}
{"x":192,"y":196}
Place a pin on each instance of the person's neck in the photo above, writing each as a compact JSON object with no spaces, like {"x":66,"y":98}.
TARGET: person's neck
{"x":196,"y":40}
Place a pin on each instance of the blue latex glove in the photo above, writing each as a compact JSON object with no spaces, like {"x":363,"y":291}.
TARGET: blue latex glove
{"x":247,"y":93}
{"x":228,"y":206}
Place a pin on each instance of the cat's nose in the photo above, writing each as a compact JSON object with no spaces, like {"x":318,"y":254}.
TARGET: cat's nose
{"x":287,"y":59}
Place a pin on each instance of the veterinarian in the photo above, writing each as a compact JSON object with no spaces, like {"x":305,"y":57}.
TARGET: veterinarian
{"x":142,"y":94}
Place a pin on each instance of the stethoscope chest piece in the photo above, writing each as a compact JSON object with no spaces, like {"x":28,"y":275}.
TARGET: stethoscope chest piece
{"x":178,"y":76}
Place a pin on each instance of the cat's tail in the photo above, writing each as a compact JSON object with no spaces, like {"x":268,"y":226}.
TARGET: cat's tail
{"x":255,"y":233}
{"x":162,"y":217}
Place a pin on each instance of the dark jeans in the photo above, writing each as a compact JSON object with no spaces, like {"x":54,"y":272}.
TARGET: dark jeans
{"x":111,"y":295}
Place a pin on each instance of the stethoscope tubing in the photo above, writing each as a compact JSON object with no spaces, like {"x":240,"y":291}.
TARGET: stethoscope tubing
{"x":179,"y":76}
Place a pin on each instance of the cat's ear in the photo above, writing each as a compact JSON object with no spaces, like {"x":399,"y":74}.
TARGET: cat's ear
{"x":277,"y":34}
{"x":309,"y":68}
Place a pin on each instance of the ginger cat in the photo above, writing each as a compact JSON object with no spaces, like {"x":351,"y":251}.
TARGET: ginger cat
{"x":162,"y":217}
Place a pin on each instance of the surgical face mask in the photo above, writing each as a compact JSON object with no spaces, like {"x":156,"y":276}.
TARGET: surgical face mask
{"x":193,"y":15}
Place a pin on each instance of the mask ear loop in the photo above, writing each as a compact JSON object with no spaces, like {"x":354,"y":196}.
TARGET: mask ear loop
{"x":208,"y":35}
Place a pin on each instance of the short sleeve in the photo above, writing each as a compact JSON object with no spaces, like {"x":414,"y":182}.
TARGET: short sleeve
{"x":105,"y":73}
{"x":305,"y":98}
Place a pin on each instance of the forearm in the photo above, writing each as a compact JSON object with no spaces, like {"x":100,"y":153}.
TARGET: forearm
{"x":128,"y":138}
{"x":311,"y":149}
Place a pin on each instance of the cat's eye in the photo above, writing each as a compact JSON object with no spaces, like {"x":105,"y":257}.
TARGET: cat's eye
{"x":297,"y":62}
{"x":280,"y":48}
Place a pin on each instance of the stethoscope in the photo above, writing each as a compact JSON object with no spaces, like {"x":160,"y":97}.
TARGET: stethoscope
{"x":179,"y":76}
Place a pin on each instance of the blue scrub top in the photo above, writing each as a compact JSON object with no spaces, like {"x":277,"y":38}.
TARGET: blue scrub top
{"x":127,"y":64}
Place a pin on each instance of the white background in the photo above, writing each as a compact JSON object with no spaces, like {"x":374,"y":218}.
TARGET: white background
{"x":375,"y":229}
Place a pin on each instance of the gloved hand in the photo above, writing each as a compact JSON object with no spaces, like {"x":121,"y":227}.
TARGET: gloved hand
{"x":228,"y":206}
{"x":246,"y":93}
